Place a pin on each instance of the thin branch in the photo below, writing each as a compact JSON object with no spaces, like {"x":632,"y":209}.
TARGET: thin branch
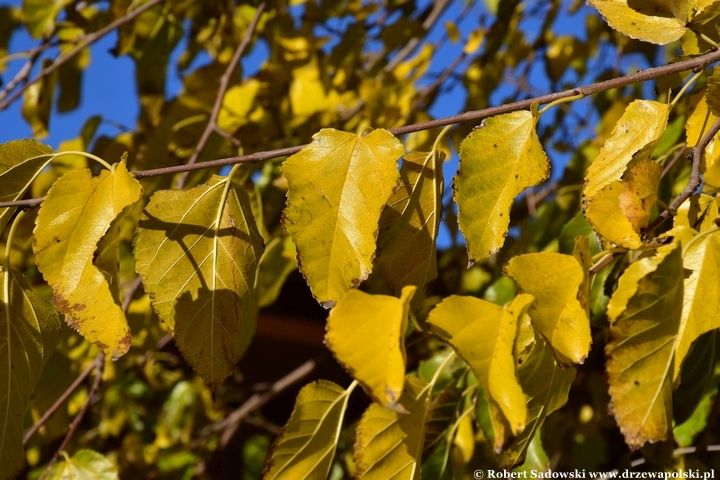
{"x":695,"y":179}
{"x":224,"y":84}
{"x":475,"y":115}
{"x":23,"y":74}
{"x":99,"y":366}
{"x":89,"y":40}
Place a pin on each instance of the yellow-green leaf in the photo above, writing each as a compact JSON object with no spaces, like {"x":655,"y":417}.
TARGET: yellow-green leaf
{"x":276,"y":263}
{"x":713,"y":91}
{"x":389,"y":443}
{"x":197,"y":251}
{"x":700,"y":120}
{"x":39,"y":15}
{"x":337,"y":187}
{"x":74,"y":217}
{"x":38,"y":102}
{"x":547,"y":384}
{"x":497,"y":162}
{"x":306,"y":446}
{"x":483,"y":334}
{"x":28,"y":334}
{"x":654,"y":21}
{"x":367,"y":335}
{"x":634,"y":138}
{"x":645,"y":315}
{"x":701,"y":301}
{"x":698,"y":212}
{"x":407,"y":254}
{"x":84,"y":465}
{"x":20,"y":162}
{"x":560,"y":286}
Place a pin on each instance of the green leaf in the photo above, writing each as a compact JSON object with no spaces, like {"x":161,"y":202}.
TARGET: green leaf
{"x":175,"y":422}
{"x":497,"y":162}
{"x":74,"y":217}
{"x":560,"y":286}
{"x":84,"y":465}
{"x":654,"y":21}
{"x":547,"y":384}
{"x":633,"y":139}
{"x":199,"y":268}
{"x":407,"y":254}
{"x":645,"y":315}
{"x":28,"y":334}
{"x":337,"y":187}
{"x":388,"y":443}
{"x":306,"y":446}
{"x":21,"y":161}
{"x":536,"y":459}
{"x":483,"y":334}
{"x":366,"y":333}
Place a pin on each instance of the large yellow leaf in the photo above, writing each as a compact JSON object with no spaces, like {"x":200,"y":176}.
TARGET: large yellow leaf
{"x":483,"y":334}
{"x":701,"y":302}
{"x":560,"y":310}
{"x":497,"y":162}
{"x":84,"y":465}
{"x":654,"y":21}
{"x":74,"y":217}
{"x":409,"y":225}
{"x":28,"y":333}
{"x":306,"y":446}
{"x":622,"y":209}
{"x":367,"y":335}
{"x":547,"y":384}
{"x":389,"y":443}
{"x":200,"y":271}
{"x":20,"y":162}
{"x":634,"y":138}
{"x":337,"y":187}
{"x":645,"y":316}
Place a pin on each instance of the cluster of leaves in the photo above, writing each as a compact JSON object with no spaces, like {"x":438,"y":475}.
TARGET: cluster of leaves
{"x":573,"y":305}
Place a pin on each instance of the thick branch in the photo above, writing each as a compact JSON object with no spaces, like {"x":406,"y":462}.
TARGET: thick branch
{"x":224,"y":84}
{"x":89,"y":40}
{"x":699,"y":62}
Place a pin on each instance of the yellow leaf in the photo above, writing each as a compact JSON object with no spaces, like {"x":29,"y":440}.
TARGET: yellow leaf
{"x":237,"y":104}
{"x":276,"y":263}
{"x":38,"y":102}
{"x":407,"y":253}
{"x":366,"y":333}
{"x":199,"y":269}
{"x":560,"y":287}
{"x":306,"y":446}
{"x":483,"y":334}
{"x":698,"y":212}
{"x":547,"y":384}
{"x":645,"y":315}
{"x":654,"y":21}
{"x":388,"y":443}
{"x":701,"y":301}
{"x":634,"y":138}
{"x":700,"y":120}
{"x":621,"y":210}
{"x":307,"y":92}
{"x":474,"y":41}
{"x":497,"y":162}
{"x":337,"y":187}
{"x":74,"y":217}
{"x":21,"y":161}
{"x":640,"y":193}
{"x":28,"y":334}
{"x":452,"y":31}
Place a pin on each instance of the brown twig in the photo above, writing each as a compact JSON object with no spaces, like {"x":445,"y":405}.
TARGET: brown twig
{"x":99,"y":364}
{"x":678,"y":155}
{"x":701,"y":61}
{"x":212,"y":125}
{"x":24,"y":72}
{"x":89,"y":40}
{"x":695,"y":179}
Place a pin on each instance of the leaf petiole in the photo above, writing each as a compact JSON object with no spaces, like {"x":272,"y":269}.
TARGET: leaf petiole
{"x":687,"y":85}
{"x":579,"y":96}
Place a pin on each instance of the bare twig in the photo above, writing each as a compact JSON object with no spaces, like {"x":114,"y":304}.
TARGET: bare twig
{"x":678,"y":155}
{"x":695,"y":179}
{"x":99,"y":364}
{"x":212,"y":125}
{"x":699,"y":62}
{"x":23,"y":74}
{"x":89,"y":40}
